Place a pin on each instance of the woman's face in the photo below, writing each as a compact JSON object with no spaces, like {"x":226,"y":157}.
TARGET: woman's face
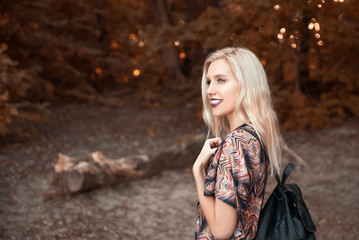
{"x":223,"y":88}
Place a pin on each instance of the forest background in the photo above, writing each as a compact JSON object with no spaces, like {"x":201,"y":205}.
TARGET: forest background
{"x":97,"y":51}
{"x":123,"y":77}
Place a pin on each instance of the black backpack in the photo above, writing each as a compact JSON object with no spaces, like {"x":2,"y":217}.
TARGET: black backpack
{"x":285,"y":214}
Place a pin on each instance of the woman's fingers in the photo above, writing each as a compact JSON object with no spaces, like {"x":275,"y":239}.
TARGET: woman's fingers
{"x":213,"y":150}
{"x":209,"y":148}
{"x":214,"y":142}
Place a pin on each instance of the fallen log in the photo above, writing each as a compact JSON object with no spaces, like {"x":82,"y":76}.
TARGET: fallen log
{"x":180,"y":155}
{"x":72,"y":175}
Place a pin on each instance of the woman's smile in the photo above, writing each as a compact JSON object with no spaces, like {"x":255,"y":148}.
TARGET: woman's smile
{"x":215,"y":102}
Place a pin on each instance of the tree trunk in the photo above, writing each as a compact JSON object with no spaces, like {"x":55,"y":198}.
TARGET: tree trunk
{"x":303,"y":53}
{"x":72,"y":175}
{"x":170,"y":55}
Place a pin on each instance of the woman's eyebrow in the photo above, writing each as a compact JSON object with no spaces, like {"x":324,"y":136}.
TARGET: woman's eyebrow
{"x":218,"y":76}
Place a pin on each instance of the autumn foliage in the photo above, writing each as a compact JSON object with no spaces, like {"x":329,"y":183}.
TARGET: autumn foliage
{"x":90,"y":50}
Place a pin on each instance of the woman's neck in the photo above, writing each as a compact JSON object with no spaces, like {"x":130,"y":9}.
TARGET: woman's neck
{"x":234,"y":121}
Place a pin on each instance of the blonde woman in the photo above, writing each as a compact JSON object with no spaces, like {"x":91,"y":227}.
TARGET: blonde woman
{"x":230,"y":174}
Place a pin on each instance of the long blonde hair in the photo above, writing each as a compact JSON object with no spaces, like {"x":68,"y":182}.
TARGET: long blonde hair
{"x":254,"y":104}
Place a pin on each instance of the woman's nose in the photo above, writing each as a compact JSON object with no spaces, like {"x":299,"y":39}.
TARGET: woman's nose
{"x":210,"y":89}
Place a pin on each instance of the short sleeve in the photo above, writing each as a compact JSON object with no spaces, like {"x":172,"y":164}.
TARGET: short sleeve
{"x":232,"y":174}
{"x":228,"y":177}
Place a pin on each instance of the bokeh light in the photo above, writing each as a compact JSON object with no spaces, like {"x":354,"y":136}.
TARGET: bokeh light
{"x":182,"y":55}
{"x":98,"y":71}
{"x":177,"y":43}
{"x":136,"y":72}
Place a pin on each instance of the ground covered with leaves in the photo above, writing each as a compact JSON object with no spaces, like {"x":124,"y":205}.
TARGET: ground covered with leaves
{"x":160,"y":207}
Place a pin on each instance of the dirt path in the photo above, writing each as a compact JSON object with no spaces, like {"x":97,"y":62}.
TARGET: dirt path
{"x":161,"y":207}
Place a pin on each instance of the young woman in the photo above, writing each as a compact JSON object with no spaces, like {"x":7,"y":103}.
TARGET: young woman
{"x":230,"y":174}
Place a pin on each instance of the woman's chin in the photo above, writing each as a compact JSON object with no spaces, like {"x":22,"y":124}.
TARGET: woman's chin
{"x":217,"y":114}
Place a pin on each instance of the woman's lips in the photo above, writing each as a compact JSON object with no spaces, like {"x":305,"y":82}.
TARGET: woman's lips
{"x":215,"y":102}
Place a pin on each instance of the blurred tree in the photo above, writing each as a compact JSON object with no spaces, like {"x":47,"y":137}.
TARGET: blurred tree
{"x":7,"y":78}
{"x":170,"y":55}
{"x":70,"y":44}
{"x":299,"y":43}
{"x":86,"y":48}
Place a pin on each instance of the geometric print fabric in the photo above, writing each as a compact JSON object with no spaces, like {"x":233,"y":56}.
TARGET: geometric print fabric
{"x":236,"y":176}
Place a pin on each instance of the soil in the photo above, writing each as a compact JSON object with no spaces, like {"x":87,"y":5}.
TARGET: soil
{"x":163,"y":206}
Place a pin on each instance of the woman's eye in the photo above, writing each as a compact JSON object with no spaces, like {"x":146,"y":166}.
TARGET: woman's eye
{"x":208,"y":82}
{"x":220,"y":80}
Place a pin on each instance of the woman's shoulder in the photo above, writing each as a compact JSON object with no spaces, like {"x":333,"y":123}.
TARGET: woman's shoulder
{"x":241,"y":136}
{"x":244,"y":131}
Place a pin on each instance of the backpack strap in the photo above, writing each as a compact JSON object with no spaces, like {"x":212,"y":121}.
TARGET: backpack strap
{"x":264,"y":149}
{"x":260,"y":142}
{"x":288,"y":169}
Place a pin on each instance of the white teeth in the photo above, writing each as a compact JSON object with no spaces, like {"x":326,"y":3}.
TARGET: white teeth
{"x":215,"y":101}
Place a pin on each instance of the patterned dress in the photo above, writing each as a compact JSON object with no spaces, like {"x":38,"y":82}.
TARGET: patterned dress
{"x":236,"y":176}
